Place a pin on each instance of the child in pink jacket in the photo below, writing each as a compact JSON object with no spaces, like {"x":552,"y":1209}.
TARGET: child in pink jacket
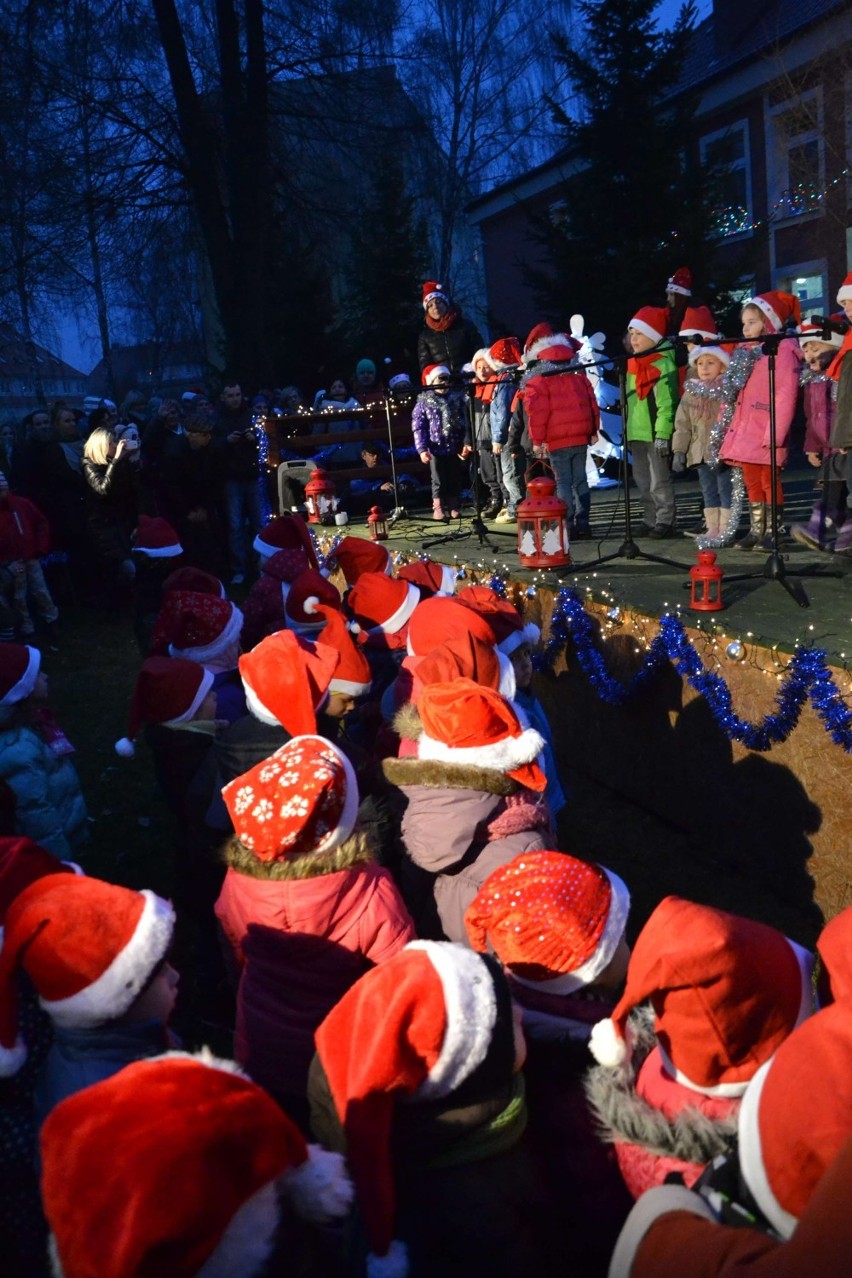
{"x":304,"y":905}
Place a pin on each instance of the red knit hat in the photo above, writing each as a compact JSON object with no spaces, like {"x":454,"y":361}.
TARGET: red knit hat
{"x":835,"y":950}
{"x":510,"y":629}
{"x":302,"y":799}
{"x":19,"y":667}
{"x":463,"y":657}
{"x":466,"y":724}
{"x":168,"y":690}
{"x":23,"y":862}
{"x":432,"y":372}
{"x":681,"y":282}
{"x":156,"y":538}
{"x":795,"y":1116}
{"x":286,"y":532}
{"x":554,"y":921}
{"x":417,"y":1027}
{"x":286,"y":680}
{"x":652,"y":321}
{"x":844,"y":293}
{"x":353,"y":676}
{"x":189,"y":578}
{"x":433,"y":289}
{"x":505,"y":353}
{"x":726,"y":992}
{"x":439,"y":619}
{"x":199,"y":627}
{"x":698,"y":321}
{"x":88,"y":947}
{"x":357,"y":555}
{"x":174,"y":1166}
{"x":303,"y":599}
{"x":779,"y":308}
{"x":381,"y":604}
{"x":429,"y":577}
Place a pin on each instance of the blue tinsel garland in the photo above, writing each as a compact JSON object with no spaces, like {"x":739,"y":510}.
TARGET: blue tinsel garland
{"x":807,"y":675}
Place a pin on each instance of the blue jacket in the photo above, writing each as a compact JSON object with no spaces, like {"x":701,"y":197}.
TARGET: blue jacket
{"x":501,"y":408}
{"x":51,"y":809}
{"x":554,"y":793}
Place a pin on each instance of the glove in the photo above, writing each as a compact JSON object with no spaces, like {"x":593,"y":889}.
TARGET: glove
{"x":663,"y":446}
{"x":679,"y":463}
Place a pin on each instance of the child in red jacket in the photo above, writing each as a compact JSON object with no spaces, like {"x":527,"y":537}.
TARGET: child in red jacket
{"x":24,"y":540}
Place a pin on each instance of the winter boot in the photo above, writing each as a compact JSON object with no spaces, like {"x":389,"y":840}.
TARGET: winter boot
{"x":722,"y":525}
{"x":843,"y":544}
{"x":757,"y":530}
{"x":437,"y":509}
{"x":765,"y":542}
{"x":711,"y":520}
{"x":818,"y":533}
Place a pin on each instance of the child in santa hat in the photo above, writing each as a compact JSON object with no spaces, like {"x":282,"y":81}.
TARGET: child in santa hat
{"x":652,"y":392}
{"x":430,"y":578}
{"x":206,"y":629}
{"x":725,"y":992}
{"x":829,"y":527}
{"x":442,"y":436}
{"x":49,"y":802}
{"x":417,"y":1078}
{"x":746,"y":442}
{"x":263,"y":610}
{"x":156,"y":551}
{"x":694,"y":421}
{"x":779,"y":1207}
{"x":381,"y":608}
{"x":304,"y":904}
{"x":182,"y":1165}
{"x":840,"y":370}
{"x":474,"y":799}
{"x":96,"y":955}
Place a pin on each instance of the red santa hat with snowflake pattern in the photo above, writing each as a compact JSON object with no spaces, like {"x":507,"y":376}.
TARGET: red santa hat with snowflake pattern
{"x":510,"y":629}
{"x":200,"y":627}
{"x":781,"y":310}
{"x":429,"y":577}
{"x":466,"y":724}
{"x":441,"y":618}
{"x":190,"y":578}
{"x":680,"y":282}
{"x":652,"y":321}
{"x":303,"y":601}
{"x":286,"y":532}
{"x":19,"y":669}
{"x":553,"y":921}
{"x":353,"y":676}
{"x":302,"y":800}
{"x":381,"y":604}
{"x":286,"y":680}
{"x":844,"y":293}
{"x":413,"y":1029}
{"x":726,"y":992}
{"x":189,"y":1157}
{"x":155,"y":538}
{"x":89,"y":949}
{"x":356,"y":555}
{"x":168,"y":690}
{"x":431,"y":289}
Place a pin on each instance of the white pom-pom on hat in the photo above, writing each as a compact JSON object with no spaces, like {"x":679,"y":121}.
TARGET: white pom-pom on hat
{"x":607,"y":1046}
{"x":125,"y":748}
{"x":311,"y":605}
{"x":320,"y":1189}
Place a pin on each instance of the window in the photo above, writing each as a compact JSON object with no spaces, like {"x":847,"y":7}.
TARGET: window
{"x":795,"y":159}
{"x":808,"y":282}
{"x":726,"y":153}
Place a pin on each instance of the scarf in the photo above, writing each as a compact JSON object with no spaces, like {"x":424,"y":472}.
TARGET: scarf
{"x":491,"y":1138}
{"x":646,"y":370}
{"x":446,"y":321}
{"x":485,"y":391}
{"x":833,"y":369}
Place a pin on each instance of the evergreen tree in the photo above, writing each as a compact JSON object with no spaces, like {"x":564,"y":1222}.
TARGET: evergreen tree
{"x":638,"y":206}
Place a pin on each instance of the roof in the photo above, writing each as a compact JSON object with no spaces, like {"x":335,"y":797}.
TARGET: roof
{"x":16,"y":356}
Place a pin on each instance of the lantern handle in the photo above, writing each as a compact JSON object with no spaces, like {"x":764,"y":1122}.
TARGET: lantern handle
{"x":539,"y":461}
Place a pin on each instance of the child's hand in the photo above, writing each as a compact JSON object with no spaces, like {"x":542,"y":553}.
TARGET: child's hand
{"x":663,"y":447}
{"x":813,"y":458}
{"x":425,"y":457}
{"x":496,"y":449}
{"x":679,"y":463}
{"x":466,"y":451}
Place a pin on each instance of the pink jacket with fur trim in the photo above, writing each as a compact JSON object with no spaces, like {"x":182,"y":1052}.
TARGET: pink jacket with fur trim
{"x":747,"y":437}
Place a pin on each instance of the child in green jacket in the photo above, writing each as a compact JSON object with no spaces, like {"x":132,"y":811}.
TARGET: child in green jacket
{"x":652,"y":394}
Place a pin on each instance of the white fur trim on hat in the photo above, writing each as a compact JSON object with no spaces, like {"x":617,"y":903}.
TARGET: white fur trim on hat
{"x":530,"y":634}
{"x":844,"y":294}
{"x":471,"y":1005}
{"x":718,"y":352}
{"x":256,"y":707}
{"x":22,"y":689}
{"x":264,"y":548}
{"x":207,"y":681}
{"x":397,"y":619}
{"x":439,"y":370}
{"x":207,"y":652}
{"x":348,"y":687}
{"x":607,"y":1046}
{"x":159,"y":552}
{"x":508,"y":686}
{"x":642,"y":327}
{"x":116,"y":988}
{"x":436,"y":292}
{"x":835,"y":340}
{"x":351,"y":803}
{"x":249,"y":1239}
{"x":448,"y":580}
{"x":588,"y":972}
{"x":482,"y":354}
{"x":671,"y":287}
{"x":543,"y":344}
{"x":653,"y":1204}
{"x":751,"y":1157}
{"x":762,"y":305}
{"x":698,"y":332}
{"x":499,"y":756}
{"x":320,"y":1188}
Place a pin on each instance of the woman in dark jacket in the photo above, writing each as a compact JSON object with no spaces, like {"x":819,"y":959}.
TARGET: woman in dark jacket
{"x":110,"y":509}
{"x":447,"y":337}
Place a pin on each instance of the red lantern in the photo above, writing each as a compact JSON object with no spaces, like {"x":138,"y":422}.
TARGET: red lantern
{"x":542,"y":526}
{"x":320,"y":498}
{"x":706,"y":583}
{"x":377,"y":519}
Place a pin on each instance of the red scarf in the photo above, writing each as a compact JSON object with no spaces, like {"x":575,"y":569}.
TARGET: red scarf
{"x":646,"y":370}
{"x":834,"y":367}
{"x":446,"y":321}
{"x":485,"y":391}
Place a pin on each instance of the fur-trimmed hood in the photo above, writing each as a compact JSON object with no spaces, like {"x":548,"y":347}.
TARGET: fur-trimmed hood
{"x":432,"y":773}
{"x":357,"y":850}
{"x":623,"y":1117}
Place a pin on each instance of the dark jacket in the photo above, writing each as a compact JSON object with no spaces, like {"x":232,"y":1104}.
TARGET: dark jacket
{"x":111,"y":508}
{"x":240,"y":457}
{"x":454,"y":347}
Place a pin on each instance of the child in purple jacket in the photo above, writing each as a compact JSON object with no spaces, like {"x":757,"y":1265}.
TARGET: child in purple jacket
{"x":830,"y":525}
{"x":441,"y":436}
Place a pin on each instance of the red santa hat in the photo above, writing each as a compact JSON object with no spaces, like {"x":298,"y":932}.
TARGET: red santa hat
{"x":652,"y":321}
{"x":780,"y":309}
{"x":381,"y":604}
{"x":810,"y":331}
{"x":835,"y":951}
{"x":286,"y":532}
{"x":432,"y":372}
{"x":718,"y":352}
{"x":433,"y":289}
{"x":429,"y":577}
{"x":156,"y":538}
{"x":698,"y":321}
{"x":286,"y":680}
{"x":19,"y":668}
{"x":357,"y":555}
{"x":302,"y":800}
{"x":553,"y":921}
{"x":464,"y":723}
{"x":681,"y":282}
{"x":505,"y":353}
{"x":353,"y":676}
{"x":415,"y":1028}
{"x":88,"y":947}
{"x":510,"y":629}
{"x":550,"y":345}
{"x":726,"y":992}
{"x":23,"y":862}
{"x":168,"y":690}
{"x":284,"y":567}
{"x":199,"y":627}
{"x":844,"y":293}
{"x":441,"y":618}
{"x":187,"y":1157}
{"x":538,"y":336}
{"x":463,"y":657}
{"x":481,"y":356}
{"x":195,"y":579}
{"x":303,"y":600}
{"x":796,"y":1115}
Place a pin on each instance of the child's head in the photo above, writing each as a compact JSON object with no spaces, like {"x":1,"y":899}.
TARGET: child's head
{"x":647,"y":328}
{"x":352,"y":676}
{"x":754,"y":322}
{"x":481,"y":365}
{"x":204,"y":629}
{"x":169,"y":691}
{"x":708,"y":367}
{"x":844,"y":296}
{"x":770,"y":313}
{"x":156,"y":539}
{"x":436,"y":377}
{"x":338,"y":390}
{"x":818,"y":354}
{"x":521,"y":659}
{"x":820,"y":342}
{"x":286,"y":680}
